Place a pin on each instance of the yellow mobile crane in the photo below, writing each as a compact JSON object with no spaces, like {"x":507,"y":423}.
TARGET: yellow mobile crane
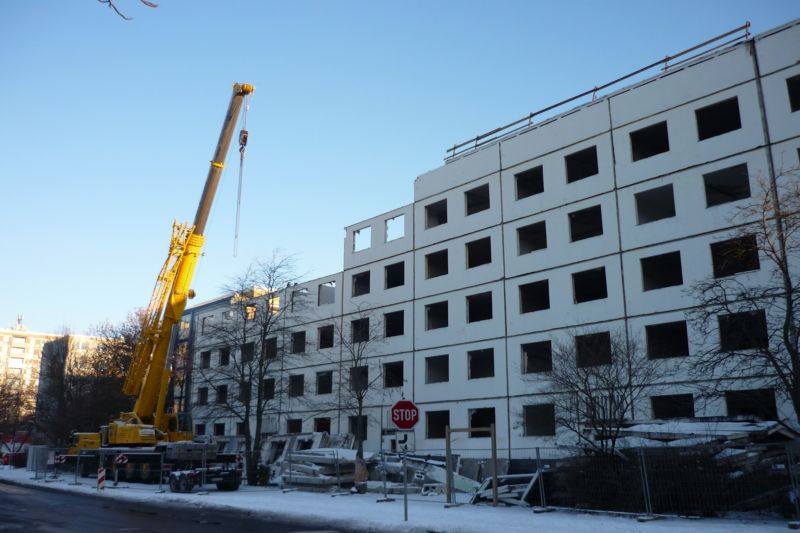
{"x":149,"y":424}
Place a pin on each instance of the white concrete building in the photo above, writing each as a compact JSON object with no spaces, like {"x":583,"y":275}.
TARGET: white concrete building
{"x":592,"y":220}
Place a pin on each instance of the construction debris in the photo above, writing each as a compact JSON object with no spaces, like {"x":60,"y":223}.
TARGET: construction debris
{"x":515,"y":489}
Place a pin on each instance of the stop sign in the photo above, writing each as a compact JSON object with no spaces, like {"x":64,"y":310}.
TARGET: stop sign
{"x":405,"y":414}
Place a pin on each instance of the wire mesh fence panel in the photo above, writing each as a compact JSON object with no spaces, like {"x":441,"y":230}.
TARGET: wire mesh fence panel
{"x":713,"y":480}
{"x":576,"y":479}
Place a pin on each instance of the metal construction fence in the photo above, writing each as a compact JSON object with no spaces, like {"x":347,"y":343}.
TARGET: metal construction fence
{"x":707,"y":480}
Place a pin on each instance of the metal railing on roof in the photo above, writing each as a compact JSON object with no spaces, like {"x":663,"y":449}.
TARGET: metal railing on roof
{"x":527,"y":121}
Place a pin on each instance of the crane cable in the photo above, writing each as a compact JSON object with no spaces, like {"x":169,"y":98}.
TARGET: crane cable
{"x":242,"y":145}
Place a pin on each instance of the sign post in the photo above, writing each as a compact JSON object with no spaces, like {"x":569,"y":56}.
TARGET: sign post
{"x":405,"y":416}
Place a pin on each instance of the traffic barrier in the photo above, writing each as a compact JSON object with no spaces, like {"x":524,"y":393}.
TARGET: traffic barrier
{"x":101,"y":478}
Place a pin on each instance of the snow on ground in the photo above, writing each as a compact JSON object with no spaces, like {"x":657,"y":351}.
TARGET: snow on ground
{"x":424,"y":514}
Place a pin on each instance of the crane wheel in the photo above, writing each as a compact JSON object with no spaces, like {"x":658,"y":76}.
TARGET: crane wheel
{"x":174,"y":483}
{"x":185,"y":484}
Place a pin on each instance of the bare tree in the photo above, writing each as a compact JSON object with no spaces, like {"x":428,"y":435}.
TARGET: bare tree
{"x":359,"y":339}
{"x":111,"y":5}
{"x":81,"y":386}
{"x":249,"y":340}
{"x":596,"y":380}
{"x":750,"y":322}
{"x":17,"y":402}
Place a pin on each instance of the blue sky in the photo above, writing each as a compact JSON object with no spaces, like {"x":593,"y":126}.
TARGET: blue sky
{"x":107,"y":126}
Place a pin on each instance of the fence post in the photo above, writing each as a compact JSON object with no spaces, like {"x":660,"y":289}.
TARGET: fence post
{"x":160,"y":471}
{"x":77,"y":467}
{"x":448,"y":461}
{"x":540,"y":475}
{"x":790,"y":463}
{"x":645,"y":483}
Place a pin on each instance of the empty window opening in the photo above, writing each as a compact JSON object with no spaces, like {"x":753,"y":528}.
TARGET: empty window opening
{"x":358,"y":426}
{"x":248,"y":351}
{"x":326,"y":293}
{"x":477,"y":199}
{"x":393,"y":323}
{"x":481,"y":418}
{"x":205,"y":360}
{"x":718,"y":118}
{"x":199,"y":429}
{"x":359,"y":378}
{"x":534,"y":296}
{"x":436,"y":423}
{"x":436,"y":315}
{"x":268,"y":389}
{"x":735,"y":255}
{"x":586,"y":223}
{"x":202,"y":396}
{"x":758,"y":403}
{"x":670,"y":339}
{"x":297,"y":385}
{"x":655,"y":204}
{"x":294,"y":425}
{"x":359,"y":330}
{"x":325,"y":337}
{"x":361,"y":283}
{"x":299,"y":342}
{"x":395,"y":228}
{"x":589,"y":285}
{"x":298,"y":298}
{"x":394,"y":275}
{"x":245,"y":392}
{"x":393,"y":374}
{"x":743,"y":331}
{"x":531,"y":238}
{"x":325,"y":382}
{"x":224,"y":356}
{"x":481,"y":363}
{"x":205,"y":325}
{"x":537,"y":357}
{"x":581,"y":164}
{"x":663,"y":270}
{"x":673,"y":406}
{"x":649,"y":141}
{"x":593,"y":349}
{"x":219,"y":429}
{"x":322,"y":425}
{"x":793,"y":86}
{"x":436,"y":214}
{"x":250,"y":312}
{"x":539,"y":420}
{"x":271,"y":348}
{"x":529,"y":182}
{"x":479,"y":307}
{"x":222,"y":394}
{"x":437,"y":369}
{"x":436,"y":264}
{"x":362,"y":239}
{"x":479,"y":252}
{"x":727,"y":185}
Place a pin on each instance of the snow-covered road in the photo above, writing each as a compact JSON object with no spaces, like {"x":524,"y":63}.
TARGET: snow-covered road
{"x":425,"y":515}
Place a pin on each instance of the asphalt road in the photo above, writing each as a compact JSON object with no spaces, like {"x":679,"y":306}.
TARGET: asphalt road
{"x":31,"y":509}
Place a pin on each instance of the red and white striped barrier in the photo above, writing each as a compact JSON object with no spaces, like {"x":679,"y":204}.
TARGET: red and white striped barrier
{"x":101,"y":478}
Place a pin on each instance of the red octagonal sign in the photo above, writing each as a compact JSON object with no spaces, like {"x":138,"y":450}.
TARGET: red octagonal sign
{"x":405,"y":414}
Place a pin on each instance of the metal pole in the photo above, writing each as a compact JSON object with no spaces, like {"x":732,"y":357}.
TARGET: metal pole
{"x":448,"y":465}
{"x":645,"y":484}
{"x":405,"y":489}
{"x":77,"y":467}
{"x":338,"y":478}
{"x":540,"y":475}
{"x":160,"y":470}
{"x":494,"y":465}
{"x":790,"y":462}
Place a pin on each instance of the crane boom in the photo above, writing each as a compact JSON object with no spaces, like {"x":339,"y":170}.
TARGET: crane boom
{"x":148,"y":377}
